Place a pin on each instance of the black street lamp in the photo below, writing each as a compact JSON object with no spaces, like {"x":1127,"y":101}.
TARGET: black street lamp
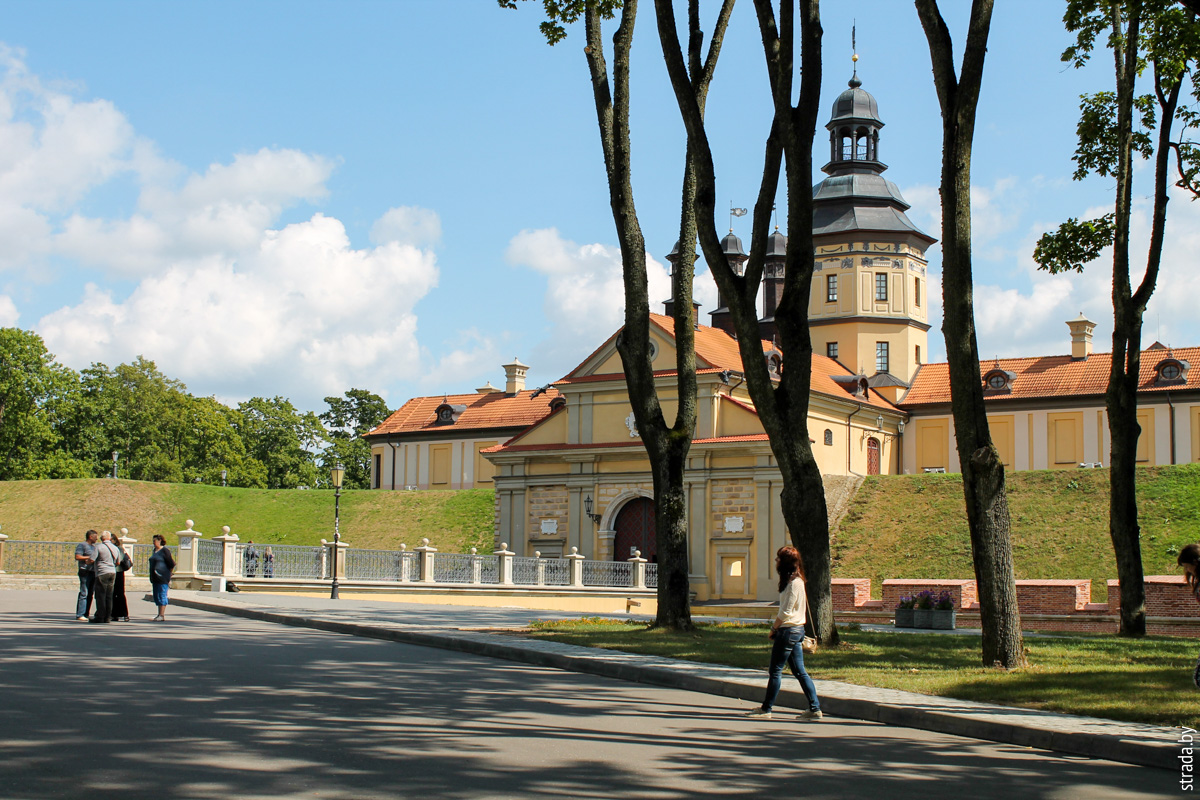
{"x":335,"y":475}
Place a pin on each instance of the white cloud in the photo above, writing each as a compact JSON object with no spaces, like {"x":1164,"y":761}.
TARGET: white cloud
{"x":300,"y":314}
{"x":8,"y":312}
{"x":585,"y":293}
{"x":419,"y":227}
{"x":474,"y":353}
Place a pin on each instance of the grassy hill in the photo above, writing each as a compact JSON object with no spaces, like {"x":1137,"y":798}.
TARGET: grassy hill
{"x":913,"y":526}
{"x":63,"y":510}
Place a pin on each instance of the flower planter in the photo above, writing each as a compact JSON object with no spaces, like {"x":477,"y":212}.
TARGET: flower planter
{"x":942,"y":619}
{"x":922,"y":617}
{"x":904,"y":617}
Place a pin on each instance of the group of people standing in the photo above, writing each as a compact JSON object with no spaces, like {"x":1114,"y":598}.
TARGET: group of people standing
{"x":250,"y":560}
{"x":102,"y":563}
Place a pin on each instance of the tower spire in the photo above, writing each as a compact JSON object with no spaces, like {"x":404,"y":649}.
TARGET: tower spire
{"x":854,"y":81}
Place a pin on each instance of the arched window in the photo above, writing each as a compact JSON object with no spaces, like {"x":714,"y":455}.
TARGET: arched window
{"x":828,"y":437}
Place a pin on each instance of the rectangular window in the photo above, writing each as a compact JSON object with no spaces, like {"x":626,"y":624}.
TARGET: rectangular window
{"x":918,"y":359}
{"x":378,"y":464}
{"x":881,"y":356}
{"x":917,"y":292}
{"x":831,"y":288}
{"x":881,"y":285}
{"x":831,"y":349}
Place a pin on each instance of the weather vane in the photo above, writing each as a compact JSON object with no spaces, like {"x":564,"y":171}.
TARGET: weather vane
{"x":734,"y":212}
{"x":854,"y":45}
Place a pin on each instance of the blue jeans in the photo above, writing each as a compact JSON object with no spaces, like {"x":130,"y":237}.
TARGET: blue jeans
{"x":87,"y":585}
{"x":787,"y":650}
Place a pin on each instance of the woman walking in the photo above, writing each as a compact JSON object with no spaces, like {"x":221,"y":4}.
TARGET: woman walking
{"x":1189,"y":559}
{"x":162,"y":567}
{"x":788,"y":636}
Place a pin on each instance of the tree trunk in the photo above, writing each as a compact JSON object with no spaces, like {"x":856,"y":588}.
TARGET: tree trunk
{"x":982,"y":470}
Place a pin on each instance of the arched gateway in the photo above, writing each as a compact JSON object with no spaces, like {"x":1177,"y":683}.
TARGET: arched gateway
{"x":634,"y":528}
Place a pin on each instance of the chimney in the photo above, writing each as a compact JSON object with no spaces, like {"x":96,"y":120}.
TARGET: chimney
{"x":514,"y":376}
{"x":1081,"y":337}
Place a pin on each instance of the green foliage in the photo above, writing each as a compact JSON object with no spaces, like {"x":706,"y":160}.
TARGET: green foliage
{"x":56,"y":423}
{"x":348,"y":419}
{"x":1099,"y":138}
{"x":1143,"y":680}
{"x":561,"y":13}
{"x":1074,"y":245}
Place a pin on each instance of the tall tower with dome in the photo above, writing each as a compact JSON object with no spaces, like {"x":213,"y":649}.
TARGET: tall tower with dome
{"x":869,"y":303}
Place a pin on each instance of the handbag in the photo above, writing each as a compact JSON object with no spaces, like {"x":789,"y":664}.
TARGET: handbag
{"x":126,"y":562}
{"x":809,"y":645}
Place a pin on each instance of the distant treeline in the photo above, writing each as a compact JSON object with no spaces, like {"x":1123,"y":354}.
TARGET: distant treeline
{"x":59,"y":423}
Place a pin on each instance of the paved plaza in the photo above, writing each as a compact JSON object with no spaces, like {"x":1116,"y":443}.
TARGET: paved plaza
{"x":216,"y":706}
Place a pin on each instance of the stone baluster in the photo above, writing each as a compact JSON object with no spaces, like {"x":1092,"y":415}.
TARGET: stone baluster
{"x":341,"y":559}
{"x":505,"y":556}
{"x":476,"y":567}
{"x":229,"y":542}
{"x":426,"y":556}
{"x":127,"y":542}
{"x":638,"y":578}
{"x":187,"y":564}
{"x":576,"y":564}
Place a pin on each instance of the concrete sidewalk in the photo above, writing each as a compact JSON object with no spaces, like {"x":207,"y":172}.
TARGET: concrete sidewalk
{"x":1131,"y":743}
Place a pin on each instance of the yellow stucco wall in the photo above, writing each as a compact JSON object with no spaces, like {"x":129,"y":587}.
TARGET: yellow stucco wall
{"x":933,"y":443}
{"x":1003,"y":428}
{"x":1064,"y":439}
{"x":1145,"y":444}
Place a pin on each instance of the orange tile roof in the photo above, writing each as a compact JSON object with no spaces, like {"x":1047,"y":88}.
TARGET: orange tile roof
{"x":1052,"y":376}
{"x":719,"y":351}
{"x":483,"y":411}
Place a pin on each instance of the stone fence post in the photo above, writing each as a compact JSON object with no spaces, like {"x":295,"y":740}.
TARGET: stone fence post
{"x":476,"y":567}
{"x":340,"y":557}
{"x":504,"y":557}
{"x":126,"y":539}
{"x":3,"y":539}
{"x":638,"y":578}
{"x":229,"y":543}
{"x":189,"y":552}
{"x":576,"y":566}
{"x":539,"y":568}
{"x":425,"y":554}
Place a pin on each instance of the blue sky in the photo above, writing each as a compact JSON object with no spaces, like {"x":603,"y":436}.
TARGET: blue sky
{"x":297,"y":198}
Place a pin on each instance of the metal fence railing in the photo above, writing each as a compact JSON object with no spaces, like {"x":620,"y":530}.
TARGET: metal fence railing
{"x":40,"y":558}
{"x":301,"y":562}
{"x":375,"y":565}
{"x":607,"y":573}
{"x":210,"y":557}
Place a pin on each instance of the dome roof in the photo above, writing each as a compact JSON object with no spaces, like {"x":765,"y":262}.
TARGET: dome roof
{"x":673,"y":256}
{"x":731,"y":245}
{"x":776,"y":245}
{"x":855,"y":104}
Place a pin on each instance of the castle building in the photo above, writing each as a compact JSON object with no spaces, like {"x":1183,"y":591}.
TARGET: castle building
{"x":569,"y":469}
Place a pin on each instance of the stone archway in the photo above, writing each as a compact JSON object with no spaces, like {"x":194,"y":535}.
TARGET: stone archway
{"x":608,"y":522}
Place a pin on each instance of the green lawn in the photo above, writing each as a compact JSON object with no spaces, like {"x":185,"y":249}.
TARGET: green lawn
{"x":912,"y":526}
{"x":63,"y":510}
{"x":1147,"y":680}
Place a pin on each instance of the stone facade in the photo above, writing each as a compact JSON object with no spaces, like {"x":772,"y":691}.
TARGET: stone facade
{"x":733,"y":498}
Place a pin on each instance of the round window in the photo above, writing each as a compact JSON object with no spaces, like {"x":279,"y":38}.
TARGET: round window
{"x":444,"y":415}
{"x":1169,"y":372}
{"x":997,"y":382}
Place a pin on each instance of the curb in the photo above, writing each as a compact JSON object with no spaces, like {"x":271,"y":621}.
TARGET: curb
{"x":1110,"y":747}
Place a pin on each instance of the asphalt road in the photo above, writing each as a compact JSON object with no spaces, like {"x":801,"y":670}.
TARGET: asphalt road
{"x":209,"y":706}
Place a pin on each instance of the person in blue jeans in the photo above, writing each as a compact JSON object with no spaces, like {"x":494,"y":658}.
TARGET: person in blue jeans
{"x":85,"y":560}
{"x":162,"y":567}
{"x":787,"y":635}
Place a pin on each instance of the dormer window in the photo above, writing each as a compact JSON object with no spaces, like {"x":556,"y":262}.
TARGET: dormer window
{"x":447,"y":414}
{"x":1171,"y":372}
{"x":998,"y":381}
{"x":558,"y":403}
{"x":775,"y":364}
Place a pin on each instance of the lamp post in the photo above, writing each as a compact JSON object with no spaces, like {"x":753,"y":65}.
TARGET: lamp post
{"x":115,"y":454}
{"x":335,"y":475}
{"x":222,"y":478}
